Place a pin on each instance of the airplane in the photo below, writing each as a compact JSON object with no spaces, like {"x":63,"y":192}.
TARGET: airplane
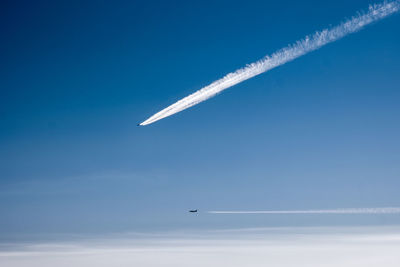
{"x":193,"y":210}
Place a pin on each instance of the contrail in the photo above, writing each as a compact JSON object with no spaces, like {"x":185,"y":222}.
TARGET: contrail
{"x":309,"y":43}
{"x":332,"y":211}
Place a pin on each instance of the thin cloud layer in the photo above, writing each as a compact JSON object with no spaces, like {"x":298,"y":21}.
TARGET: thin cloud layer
{"x":278,"y":247}
{"x":289,"y":53}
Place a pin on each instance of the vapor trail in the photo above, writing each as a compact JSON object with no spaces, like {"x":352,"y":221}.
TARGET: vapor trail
{"x":332,"y":211}
{"x":309,"y":43}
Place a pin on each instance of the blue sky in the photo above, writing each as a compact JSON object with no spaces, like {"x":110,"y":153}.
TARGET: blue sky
{"x":76,"y":77}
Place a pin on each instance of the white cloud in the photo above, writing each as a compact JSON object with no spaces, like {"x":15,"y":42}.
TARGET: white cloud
{"x":389,"y":210}
{"x":276,"y":247}
{"x":287,"y":54}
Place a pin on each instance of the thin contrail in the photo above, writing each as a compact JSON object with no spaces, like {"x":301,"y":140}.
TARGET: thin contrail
{"x":391,"y":210}
{"x":309,"y":43}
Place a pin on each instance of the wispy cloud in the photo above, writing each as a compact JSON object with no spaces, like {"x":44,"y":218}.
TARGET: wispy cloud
{"x":289,"y":53}
{"x":390,"y":210}
{"x":371,"y":246}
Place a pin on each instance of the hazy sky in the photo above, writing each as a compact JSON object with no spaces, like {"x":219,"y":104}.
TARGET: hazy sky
{"x":304,"y":247}
{"x":76,"y":77}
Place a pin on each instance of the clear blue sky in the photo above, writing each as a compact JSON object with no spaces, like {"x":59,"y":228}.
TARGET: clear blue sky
{"x":77,"y":76}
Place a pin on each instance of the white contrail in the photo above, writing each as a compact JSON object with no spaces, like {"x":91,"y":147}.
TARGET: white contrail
{"x":309,"y":43}
{"x":332,"y":211}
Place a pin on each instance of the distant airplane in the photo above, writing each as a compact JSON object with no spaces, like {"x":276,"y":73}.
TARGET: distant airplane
{"x":193,"y":210}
